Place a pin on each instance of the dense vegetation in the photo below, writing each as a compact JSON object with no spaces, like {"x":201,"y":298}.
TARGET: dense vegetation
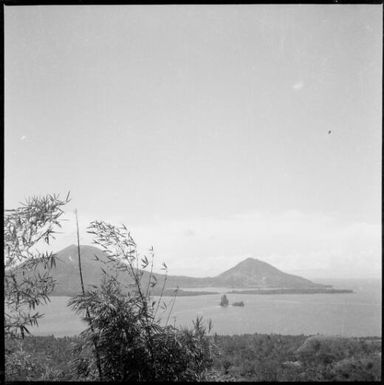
{"x":255,"y":357}
{"x":261,"y":357}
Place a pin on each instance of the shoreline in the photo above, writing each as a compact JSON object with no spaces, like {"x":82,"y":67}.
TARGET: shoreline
{"x":191,"y":293}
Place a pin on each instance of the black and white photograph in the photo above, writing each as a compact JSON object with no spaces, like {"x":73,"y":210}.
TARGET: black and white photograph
{"x":192,"y":192}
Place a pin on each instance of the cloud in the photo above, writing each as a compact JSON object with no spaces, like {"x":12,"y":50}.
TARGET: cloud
{"x":189,"y":233}
{"x":291,"y":241}
{"x":298,"y":86}
{"x":23,"y":137}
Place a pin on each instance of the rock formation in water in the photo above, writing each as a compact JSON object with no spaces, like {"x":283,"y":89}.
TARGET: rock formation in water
{"x":224,"y":301}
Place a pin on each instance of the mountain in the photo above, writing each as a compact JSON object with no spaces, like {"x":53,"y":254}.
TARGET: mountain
{"x":249,"y":274}
{"x":66,"y":273}
{"x":255,"y":273}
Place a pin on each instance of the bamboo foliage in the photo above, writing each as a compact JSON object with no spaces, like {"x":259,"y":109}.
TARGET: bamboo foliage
{"x":132,"y":343}
{"x":27,"y":278}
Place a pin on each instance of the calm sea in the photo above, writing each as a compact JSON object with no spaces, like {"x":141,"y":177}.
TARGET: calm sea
{"x":357,"y":314}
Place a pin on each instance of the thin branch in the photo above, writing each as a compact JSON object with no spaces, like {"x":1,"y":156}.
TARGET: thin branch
{"x":98,"y":363}
{"x":173,"y":303}
{"x":162,"y":291}
{"x":150,"y":274}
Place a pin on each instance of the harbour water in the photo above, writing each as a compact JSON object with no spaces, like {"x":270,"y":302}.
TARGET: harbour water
{"x":355,"y":314}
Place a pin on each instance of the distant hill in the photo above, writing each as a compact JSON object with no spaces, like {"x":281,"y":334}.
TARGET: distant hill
{"x":248,"y":274}
{"x":258,"y":274}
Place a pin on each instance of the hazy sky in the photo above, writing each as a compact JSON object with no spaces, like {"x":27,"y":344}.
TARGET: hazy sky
{"x":205,"y":129}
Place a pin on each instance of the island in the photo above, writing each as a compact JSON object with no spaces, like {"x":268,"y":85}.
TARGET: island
{"x":293,"y":291}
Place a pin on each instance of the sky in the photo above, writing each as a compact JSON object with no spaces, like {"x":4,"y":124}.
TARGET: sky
{"x":214,"y":133}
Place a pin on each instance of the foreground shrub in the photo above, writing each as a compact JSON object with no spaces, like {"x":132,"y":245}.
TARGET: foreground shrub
{"x":131,"y":345}
{"x":130,"y":341}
